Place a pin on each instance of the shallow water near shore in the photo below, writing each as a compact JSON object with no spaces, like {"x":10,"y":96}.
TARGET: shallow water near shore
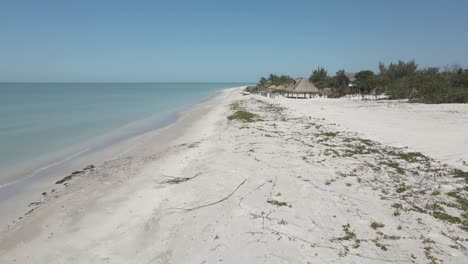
{"x":44,"y":124}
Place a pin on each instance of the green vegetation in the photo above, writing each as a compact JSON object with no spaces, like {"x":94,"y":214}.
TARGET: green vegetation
{"x":411,"y":156}
{"x":282,"y":222}
{"x":461,"y":174}
{"x":242,"y":116}
{"x":446,"y":217}
{"x":400,"y":80}
{"x":349,"y":235}
{"x":402,"y":188}
{"x":462,"y":202}
{"x":365,"y":81}
{"x":367,"y":142}
{"x":428,"y":251}
{"x":236,"y":106}
{"x":330,"y":181}
{"x":393,"y":165}
{"x":277,"y":203}
{"x":330,"y":134}
{"x":271,"y":108}
{"x":320,"y":78}
{"x":403,"y":80}
{"x":274,"y":79}
{"x":376,"y":225}
{"x":379,"y":244}
{"x":434,"y":207}
{"x":359,"y":150}
{"x":331,"y":152}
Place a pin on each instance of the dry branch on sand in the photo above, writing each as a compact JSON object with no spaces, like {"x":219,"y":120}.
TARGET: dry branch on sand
{"x":177,"y":180}
{"x":213,"y":203}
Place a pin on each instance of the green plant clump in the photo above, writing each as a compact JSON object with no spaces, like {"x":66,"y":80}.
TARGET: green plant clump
{"x":411,"y":156}
{"x":277,"y":203}
{"x":242,"y":116}
{"x":394,"y":165}
{"x":331,"y":134}
{"x":446,"y":217}
{"x":349,"y":235}
{"x":461,"y":174}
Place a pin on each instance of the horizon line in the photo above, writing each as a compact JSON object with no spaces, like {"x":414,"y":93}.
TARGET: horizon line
{"x":142,"y":82}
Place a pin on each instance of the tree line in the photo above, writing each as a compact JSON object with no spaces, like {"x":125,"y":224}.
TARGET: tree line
{"x":276,"y":80}
{"x":400,"y":80}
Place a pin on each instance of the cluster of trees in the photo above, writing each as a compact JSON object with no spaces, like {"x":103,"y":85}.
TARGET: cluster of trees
{"x":339,"y":82}
{"x":320,"y":78}
{"x":404,"y":80}
{"x":274,"y":79}
{"x":400,"y":80}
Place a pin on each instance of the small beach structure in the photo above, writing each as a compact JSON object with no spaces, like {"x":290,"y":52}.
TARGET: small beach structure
{"x":280,"y":88}
{"x":273,"y":87}
{"x":302,"y":88}
{"x":348,"y":79}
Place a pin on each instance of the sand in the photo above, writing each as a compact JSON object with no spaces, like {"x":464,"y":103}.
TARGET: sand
{"x":439,"y":131}
{"x":309,"y":181}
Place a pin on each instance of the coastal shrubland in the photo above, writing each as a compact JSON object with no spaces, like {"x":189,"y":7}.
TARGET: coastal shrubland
{"x":404,"y":80}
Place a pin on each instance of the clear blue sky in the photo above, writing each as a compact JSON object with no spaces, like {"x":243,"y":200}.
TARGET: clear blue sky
{"x":222,"y":40}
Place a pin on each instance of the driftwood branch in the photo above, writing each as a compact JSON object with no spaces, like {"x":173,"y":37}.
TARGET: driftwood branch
{"x":213,"y":203}
{"x":177,"y":180}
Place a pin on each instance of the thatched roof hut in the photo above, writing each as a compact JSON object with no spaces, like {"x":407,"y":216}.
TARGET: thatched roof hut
{"x":280,"y":87}
{"x":272,"y":87}
{"x":302,"y":86}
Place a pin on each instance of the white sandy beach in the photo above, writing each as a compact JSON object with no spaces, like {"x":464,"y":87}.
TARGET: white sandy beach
{"x":310,"y":181}
{"x":439,"y":131}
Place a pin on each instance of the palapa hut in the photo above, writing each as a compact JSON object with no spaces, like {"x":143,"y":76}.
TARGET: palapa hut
{"x":303,"y":88}
{"x":274,"y":91}
{"x":280,"y":88}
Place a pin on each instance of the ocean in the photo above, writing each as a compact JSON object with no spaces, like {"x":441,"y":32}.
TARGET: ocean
{"x":43,"y":123}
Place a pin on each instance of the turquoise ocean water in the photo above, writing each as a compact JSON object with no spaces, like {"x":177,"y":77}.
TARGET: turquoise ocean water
{"x":41,"y":123}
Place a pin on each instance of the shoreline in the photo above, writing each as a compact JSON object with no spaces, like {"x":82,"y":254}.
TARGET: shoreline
{"x":30,"y":187}
{"x":32,"y":143}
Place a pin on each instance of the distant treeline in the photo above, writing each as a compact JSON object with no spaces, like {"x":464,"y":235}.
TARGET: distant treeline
{"x":274,"y":79}
{"x":401,"y":80}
